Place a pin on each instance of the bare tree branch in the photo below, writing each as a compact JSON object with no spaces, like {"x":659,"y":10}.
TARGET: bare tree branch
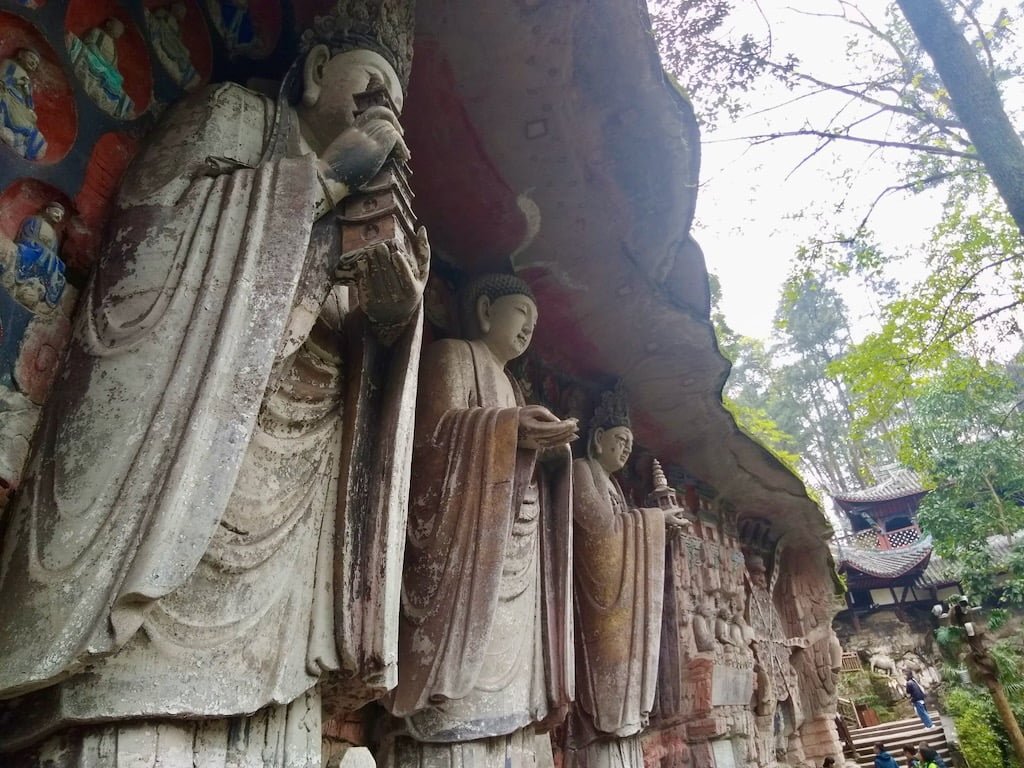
{"x":763,"y":138}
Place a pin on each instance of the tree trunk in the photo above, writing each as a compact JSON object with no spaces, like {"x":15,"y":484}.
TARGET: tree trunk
{"x":1006,"y":715}
{"x":975,"y":98}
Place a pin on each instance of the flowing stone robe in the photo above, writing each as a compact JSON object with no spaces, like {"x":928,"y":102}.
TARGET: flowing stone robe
{"x":619,"y":579}
{"x":485,"y":647}
{"x":214,"y":518}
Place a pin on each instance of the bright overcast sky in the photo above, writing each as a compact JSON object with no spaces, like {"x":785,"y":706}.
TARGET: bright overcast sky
{"x":748,"y":211}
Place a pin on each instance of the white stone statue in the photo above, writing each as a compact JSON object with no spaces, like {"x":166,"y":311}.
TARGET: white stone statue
{"x":19,"y":127}
{"x":164,"y":25}
{"x":209,"y":534}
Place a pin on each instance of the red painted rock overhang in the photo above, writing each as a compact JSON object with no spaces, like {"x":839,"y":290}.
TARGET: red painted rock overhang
{"x":546,"y":131}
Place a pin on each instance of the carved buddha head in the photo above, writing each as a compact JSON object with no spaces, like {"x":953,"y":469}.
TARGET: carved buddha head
{"x":756,"y":569}
{"x":611,"y":435}
{"x":611,"y":447}
{"x":331,"y":81}
{"x":500,"y":311}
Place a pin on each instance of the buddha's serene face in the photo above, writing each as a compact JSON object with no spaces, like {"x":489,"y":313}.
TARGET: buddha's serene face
{"x":612,"y":447}
{"x":507,"y":324}
{"x":332,"y":81}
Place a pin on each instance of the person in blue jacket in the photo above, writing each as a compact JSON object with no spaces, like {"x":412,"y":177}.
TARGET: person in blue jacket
{"x":883,"y":759}
{"x":916,"y":694}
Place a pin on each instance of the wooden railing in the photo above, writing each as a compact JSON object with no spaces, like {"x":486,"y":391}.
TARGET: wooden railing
{"x":876,"y":539}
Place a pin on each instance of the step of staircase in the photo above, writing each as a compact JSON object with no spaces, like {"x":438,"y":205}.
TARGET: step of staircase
{"x":897,"y":734}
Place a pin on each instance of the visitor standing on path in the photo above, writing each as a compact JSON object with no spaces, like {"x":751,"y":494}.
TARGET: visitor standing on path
{"x":916,"y":694}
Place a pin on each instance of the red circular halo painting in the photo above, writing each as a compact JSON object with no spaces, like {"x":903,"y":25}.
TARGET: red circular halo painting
{"x":37,"y":107}
{"x":109,"y":58}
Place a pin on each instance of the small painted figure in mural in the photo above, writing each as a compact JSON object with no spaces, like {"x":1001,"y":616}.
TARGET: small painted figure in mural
{"x":19,"y":128}
{"x":38,"y":272}
{"x":95,"y":59}
{"x":165,"y":33}
{"x":232,"y":20}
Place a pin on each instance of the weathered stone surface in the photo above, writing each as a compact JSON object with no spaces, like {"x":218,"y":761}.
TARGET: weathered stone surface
{"x":485,"y":647}
{"x":197,"y":538}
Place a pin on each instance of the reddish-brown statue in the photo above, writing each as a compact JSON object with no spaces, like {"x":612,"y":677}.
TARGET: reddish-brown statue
{"x":619,"y":575}
{"x":485,"y":640}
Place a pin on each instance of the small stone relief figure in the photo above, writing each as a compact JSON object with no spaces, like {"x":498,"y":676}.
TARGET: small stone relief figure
{"x":19,"y":127}
{"x":703,"y":625}
{"x":619,"y":574}
{"x":485,"y":649}
{"x":232,"y":20}
{"x":776,"y":678}
{"x":36,"y":278}
{"x":164,"y":25}
{"x":196,"y":554}
{"x":95,"y":62}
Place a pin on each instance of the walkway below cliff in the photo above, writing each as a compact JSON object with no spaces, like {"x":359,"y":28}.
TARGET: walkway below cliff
{"x":898,"y":734}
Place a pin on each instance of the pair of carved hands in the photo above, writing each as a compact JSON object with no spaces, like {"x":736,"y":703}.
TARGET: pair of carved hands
{"x":390,"y":282}
{"x":540,"y":429}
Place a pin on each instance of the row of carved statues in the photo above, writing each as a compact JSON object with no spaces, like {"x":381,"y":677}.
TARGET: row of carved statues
{"x":252,"y":500}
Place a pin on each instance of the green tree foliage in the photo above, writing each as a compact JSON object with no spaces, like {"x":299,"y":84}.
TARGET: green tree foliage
{"x":967,"y":303}
{"x":967,"y":439}
{"x":984,"y":738}
{"x":976,"y":724}
{"x":748,"y":384}
{"x":787,"y":394}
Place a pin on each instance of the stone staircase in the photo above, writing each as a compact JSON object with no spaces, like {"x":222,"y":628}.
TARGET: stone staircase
{"x":897,"y":734}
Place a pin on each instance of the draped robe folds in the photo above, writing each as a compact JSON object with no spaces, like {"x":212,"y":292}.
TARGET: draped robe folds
{"x":175,"y":550}
{"x":619,"y":573}
{"x":462,"y":649}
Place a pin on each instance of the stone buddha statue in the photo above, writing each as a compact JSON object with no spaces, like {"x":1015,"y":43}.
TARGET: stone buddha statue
{"x":38,"y":272}
{"x":19,"y":128}
{"x":485,"y":645}
{"x":95,"y":57}
{"x":164,"y":25}
{"x":618,"y":576}
{"x":196,"y":562}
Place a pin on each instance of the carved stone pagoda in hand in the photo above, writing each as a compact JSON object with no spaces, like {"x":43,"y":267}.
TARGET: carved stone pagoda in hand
{"x":203,"y":558}
{"x":486,"y":647}
{"x":619,"y":573}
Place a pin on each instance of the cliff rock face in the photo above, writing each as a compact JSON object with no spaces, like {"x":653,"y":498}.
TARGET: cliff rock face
{"x":546,"y":141}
